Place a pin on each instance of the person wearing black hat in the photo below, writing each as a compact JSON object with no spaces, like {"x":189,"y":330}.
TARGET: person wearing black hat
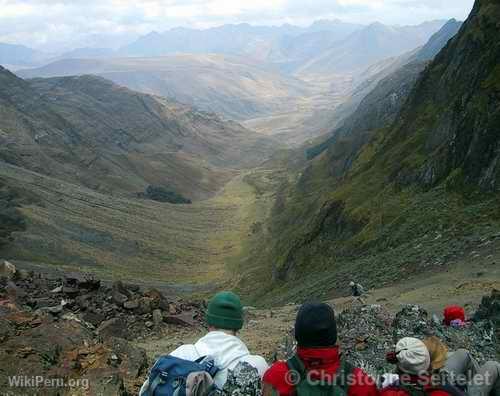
{"x":318,"y":361}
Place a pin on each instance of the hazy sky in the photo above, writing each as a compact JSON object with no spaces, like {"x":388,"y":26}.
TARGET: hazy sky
{"x":54,"y":24}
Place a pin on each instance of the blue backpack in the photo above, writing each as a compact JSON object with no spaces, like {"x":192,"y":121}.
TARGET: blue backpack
{"x":171,"y":376}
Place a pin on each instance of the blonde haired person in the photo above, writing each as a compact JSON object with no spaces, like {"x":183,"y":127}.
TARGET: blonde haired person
{"x":462,"y":370}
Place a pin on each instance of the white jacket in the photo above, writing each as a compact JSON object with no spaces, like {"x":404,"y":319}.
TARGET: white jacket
{"x":226,"y":350}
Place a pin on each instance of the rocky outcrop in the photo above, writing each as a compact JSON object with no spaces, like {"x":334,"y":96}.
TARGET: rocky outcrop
{"x":75,"y":327}
{"x":490,"y":310}
{"x":453,"y":113}
{"x":367,"y":333}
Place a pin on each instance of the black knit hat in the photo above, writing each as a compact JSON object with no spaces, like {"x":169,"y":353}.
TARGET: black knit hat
{"x":315,"y":326}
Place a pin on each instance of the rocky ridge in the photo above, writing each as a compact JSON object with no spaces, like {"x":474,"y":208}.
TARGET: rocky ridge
{"x":77,"y":327}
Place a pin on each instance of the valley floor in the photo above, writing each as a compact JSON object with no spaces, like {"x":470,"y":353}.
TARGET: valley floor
{"x":178,"y":248}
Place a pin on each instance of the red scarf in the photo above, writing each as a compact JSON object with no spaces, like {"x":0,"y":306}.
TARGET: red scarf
{"x":320,"y":361}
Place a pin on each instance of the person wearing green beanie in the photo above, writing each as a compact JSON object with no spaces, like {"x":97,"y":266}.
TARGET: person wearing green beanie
{"x":225,"y":311}
{"x":224,"y":318}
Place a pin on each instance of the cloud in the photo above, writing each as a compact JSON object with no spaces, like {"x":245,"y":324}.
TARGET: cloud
{"x":58,"y":24}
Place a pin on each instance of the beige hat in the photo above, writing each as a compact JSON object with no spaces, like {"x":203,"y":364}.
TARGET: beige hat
{"x":413,"y":356}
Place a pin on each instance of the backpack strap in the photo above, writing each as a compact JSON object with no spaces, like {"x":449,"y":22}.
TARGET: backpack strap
{"x":295,"y":364}
{"x":341,"y":378}
{"x":208,"y":365}
{"x":153,"y":385}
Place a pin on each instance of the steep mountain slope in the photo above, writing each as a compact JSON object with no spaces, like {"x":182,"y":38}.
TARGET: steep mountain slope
{"x":368,"y":46}
{"x":88,"y":130}
{"x":377,"y":100}
{"x":11,"y":219}
{"x":229,"y":86}
{"x":438,"y":41}
{"x":421,"y":192}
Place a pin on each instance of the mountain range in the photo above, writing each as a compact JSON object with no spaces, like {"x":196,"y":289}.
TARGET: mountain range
{"x":298,"y":63}
{"x":256,"y":42}
{"x":368,"y":46}
{"x":227,"y":85}
{"x":19,"y":55}
{"x":91,"y":131}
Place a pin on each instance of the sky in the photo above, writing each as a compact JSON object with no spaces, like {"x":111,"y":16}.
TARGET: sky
{"x":56,"y":25}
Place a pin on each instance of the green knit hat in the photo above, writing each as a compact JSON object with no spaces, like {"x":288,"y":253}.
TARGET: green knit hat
{"x":225,"y":311}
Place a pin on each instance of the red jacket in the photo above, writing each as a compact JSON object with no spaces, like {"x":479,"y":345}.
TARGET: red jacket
{"x":326,"y":362}
{"x":425,"y":382}
{"x":391,"y":391}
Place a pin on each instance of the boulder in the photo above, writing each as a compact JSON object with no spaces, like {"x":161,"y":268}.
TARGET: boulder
{"x":132,"y":288}
{"x":6,"y":329}
{"x":42,"y":302}
{"x":70,"y":291}
{"x":490,"y":310}
{"x":172,"y":309}
{"x":14,"y":291}
{"x":106,"y":382}
{"x":55,"y":310}
{"x":182,"y":319}
{"x":131,"y":305}
{"x":114,"y":327}
{"x":93,"y":318}
{"x":57,"y":290}
{"x":133,"y":360}
{"x":24,"y":275}
{"x":83,"y":302}
{"x":120,"y":288}
{"x":156,"y":298}
{"x":119,"y":298}
{"x":89,"y":283}
{"x":157,"y":317}
{"x":145,"y":306}
{"x":7,"y":270}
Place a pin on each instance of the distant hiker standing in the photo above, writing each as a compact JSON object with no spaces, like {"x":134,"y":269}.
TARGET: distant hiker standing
{"x":357,"y":292}
{"x":317,"y":368}
{"x":356,"y":289}
{"x":221,"y":345}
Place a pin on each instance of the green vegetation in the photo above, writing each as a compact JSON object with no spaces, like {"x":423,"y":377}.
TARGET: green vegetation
{"x":409,"y":196}
{"x":164,"y":194}
{"x":493,"y":81}
{"x":11,"y":220}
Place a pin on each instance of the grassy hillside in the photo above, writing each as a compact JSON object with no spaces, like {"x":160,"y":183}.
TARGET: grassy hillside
{"x":188,"y":248}
{"x":11,"y":220}
{"x":408,"y":198}
{"x":111,"y":139}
